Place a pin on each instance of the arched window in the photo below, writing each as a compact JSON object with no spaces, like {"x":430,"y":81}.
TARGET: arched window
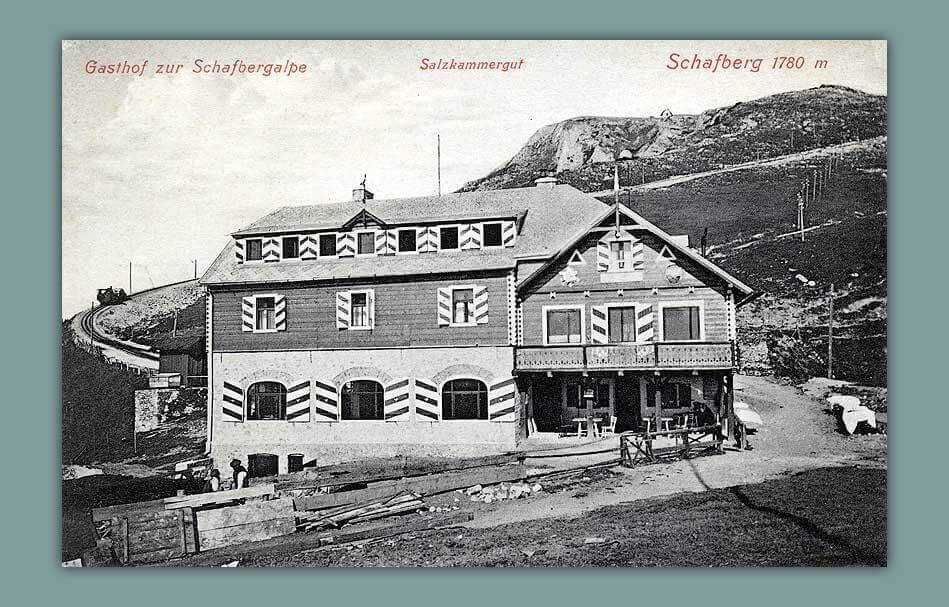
{"x":465,"y":399}
{"x":362,"y":399}
{"x":267,"y":400}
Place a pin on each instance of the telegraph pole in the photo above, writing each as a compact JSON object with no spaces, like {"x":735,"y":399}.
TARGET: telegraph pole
{"x":130,"y":278}
{"x":830,"y":334}
{"x":438,"y":154}
{"x":195,"y":261}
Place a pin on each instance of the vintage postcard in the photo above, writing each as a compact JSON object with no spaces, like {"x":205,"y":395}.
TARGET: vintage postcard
{"x":529,"y":303}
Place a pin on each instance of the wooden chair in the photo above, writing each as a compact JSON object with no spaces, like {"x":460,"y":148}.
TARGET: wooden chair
{"x":611,"y":427}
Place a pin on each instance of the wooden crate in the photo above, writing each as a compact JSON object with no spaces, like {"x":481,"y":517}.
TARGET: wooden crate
{"x":145,"y":537}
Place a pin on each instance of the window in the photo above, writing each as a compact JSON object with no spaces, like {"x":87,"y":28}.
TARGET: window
{"x":564,"y":326}
{"x":407,"y":240}
{"x":291,"y":247}
{"x":681,"y":323}
{"x":462,"y":306}
{"x":622,"y":324}
{"x":266,"y":309}
{"x":366,"y":243}
{"x":255,"y":249}
{"x":267,"y":400}
{"x":620,"y":255}
{"x":362,"y":399}
{"x":675,"y":395}
{"x":359,"y":309}
{"x":448,"y":238}
{"x":492,"y":234}
{"x":465,"y":399}
{"x":327,"y":245}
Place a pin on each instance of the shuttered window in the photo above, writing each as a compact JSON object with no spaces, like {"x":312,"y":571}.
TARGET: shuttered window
{"x":266,"y":312}
{"x":448,"y":238}
{"x":327,"y":245}
{"x":492,"y":235}
{"x":465,"y":399}
{"x":359,"y":310}
{"x":622,"y":324}
{"x":366,"y":243}
{"x":255,"y":249}
{"x":407,"y":241}
{"x":462,"y":306}
{"x":362,"y":399}
{"x":620,"y":255}
{"x":267,"y":400}
{"x":291,"y":247}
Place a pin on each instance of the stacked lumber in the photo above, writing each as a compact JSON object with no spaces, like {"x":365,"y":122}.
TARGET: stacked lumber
{"x":249,"y":522}
{"x":151,"y":536}
{"x":359,"y":513}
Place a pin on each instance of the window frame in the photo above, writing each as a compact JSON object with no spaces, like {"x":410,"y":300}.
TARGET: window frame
{"x":398,"y":241}
{"x":319,"y":244}
{"x":381,"y":418}
{"x":457,"y":229}
{"x":451,"y":291}
{"x":257,"y":299}
{"x":613,"y":261}
{"x":636,"y":306}
{"x":484,"y":233}
{"x":247,"y":257}
{"x":372,"y":250}
{"x":583,"y":320}
{"x":691,"y":303}
{"x":370,"y":309}
{"x":487,"y":400}
{"x":283,"y":247}
{"x":283,"y":406}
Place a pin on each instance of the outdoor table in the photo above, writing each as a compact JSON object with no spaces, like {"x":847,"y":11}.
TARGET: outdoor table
{"x":582,"y":420}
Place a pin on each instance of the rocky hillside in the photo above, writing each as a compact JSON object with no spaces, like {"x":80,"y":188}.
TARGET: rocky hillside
{"x":581,"y":151}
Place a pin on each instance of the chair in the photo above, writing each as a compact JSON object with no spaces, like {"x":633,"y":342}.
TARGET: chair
{"x":611,"y":428}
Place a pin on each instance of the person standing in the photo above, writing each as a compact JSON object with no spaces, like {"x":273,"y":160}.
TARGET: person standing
{"x":213,"y":482}
{"x":240,"y":474}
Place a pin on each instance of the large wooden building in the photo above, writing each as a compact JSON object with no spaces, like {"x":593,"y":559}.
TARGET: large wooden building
{"x":455,"y":325}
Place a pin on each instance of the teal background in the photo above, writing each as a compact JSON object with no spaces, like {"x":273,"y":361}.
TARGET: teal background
{"x":30,"y":68}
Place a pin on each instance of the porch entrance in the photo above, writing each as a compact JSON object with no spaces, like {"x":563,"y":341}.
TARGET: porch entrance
{"x":558,"y":400}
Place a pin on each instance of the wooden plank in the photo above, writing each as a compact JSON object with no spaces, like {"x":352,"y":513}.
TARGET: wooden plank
{"x":251,"y":532}
{"x":425,"y":523}
{"x":107,"y":512}
{"x":218,"y":497}
{"x":244,"y":514}
{"x":154,"y":539}
{"x":424,"y":485}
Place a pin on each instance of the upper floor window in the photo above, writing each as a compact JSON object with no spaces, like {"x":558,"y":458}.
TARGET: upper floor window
{"x":448,"y":238}
{"x":622,"y":324}
{"x":362,"y":399}
{"x":465,"y":399}
{"x":492,"y":235}
{"x":407,"y":240}
{"x":291,"y":247}
{"x":681,"y":323}
{"x":620,"y":255}
{"x":366,"y":243}
{"x":267,"y":400}
{"x":255,"y":249}
{"x":462,"y":306}
{"x":266,"y":311}
{"x":327,"y":245}
{"x":359,"y":310}
{"x":563,"y":325}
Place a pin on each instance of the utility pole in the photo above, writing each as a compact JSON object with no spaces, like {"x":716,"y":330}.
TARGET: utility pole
{"x":130,"y":278}
{"x":830,"y":334}
{"x":195,"y":261}
{"x":800,"y":214}
{"x":438,"y":160}
{"x":644,"y":171}
{"x":814,"y":194}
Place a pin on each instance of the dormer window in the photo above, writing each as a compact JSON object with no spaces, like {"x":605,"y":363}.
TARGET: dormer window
{"x":492,"y":235}
{"x":327,"y":245}
{"x":291,"y":247}
{"x":407,"y":241}
{"x":366,"y":243}
{"x":448,"y":238}
{"x":255,"y":249}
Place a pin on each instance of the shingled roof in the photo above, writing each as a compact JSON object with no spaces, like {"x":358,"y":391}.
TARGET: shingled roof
{"x":551,"y":216}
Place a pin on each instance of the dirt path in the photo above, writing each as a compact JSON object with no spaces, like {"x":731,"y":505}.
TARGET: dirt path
{"x":798,"y":435}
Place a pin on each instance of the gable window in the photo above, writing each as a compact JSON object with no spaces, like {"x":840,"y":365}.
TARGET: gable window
{"x":448,"y":238}
{"x":366,"y":243}
{"x":362,"y":399}
{"x":622,"y":324}
{"x":563,"y":325}
{"x":255,"y":249}
{"x":327,"y":245}
{"x":267,"y":400}
{"x":681,"y":323}
{"x":620,"y":255}
{"x":291,"y":247}
{"x":492,"y":235}
{"x":462,"y":306}
{"x":407,"y":240}
{"x":465,"y":399}
{"x":266,"y":311}
{"x":359,"y":316}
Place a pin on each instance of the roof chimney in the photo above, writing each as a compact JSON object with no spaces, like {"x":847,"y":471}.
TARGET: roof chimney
{"x":361,"y":194}
{"x":545,"y":182}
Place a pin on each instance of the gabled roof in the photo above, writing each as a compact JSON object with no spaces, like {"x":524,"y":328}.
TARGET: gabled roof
{"x":547,"y":217}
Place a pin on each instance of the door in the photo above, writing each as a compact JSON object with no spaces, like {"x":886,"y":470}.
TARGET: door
{"x":627,"y":407}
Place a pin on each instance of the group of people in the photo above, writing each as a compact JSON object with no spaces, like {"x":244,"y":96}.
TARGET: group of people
{"x":239,"y":478}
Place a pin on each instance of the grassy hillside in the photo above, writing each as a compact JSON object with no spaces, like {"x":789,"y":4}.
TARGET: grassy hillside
{"x":150,"y":317}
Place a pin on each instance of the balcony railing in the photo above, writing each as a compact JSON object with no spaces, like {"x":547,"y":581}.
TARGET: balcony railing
{"x":655,"y":355}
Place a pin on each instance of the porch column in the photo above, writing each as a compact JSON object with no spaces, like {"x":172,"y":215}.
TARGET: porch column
{"x":658,"y":409}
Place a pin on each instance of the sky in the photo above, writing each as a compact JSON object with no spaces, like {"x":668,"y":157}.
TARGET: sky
{"x":158,"y":170}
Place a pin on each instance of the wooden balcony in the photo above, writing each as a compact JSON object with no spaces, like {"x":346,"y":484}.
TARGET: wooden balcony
{"x":617,"y":357}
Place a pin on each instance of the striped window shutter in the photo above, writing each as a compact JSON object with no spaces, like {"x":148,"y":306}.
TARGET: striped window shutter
{"x":508,"y":232}
{"x":471,"y":236}
{"x":343,"y":300}
{"x":501,"y":399}
{"x":427,"y":240}
{"x":233,"y":403}
{"x":298,"y":402}
{"x":280,"y":313}
{"x":271,"y":249}
{"x":427,"y":407}
{"x":481,"y":305}
{"x":248,"y":313}
{"x":371,"y":307}
{"x":396,"y":407}
{"x":382,"y":247}
{"x":346,"y":244}
{"x":309,"y":247}
{"x":444,"y":307}
{"x":644,"y":323}
{"x":391,"y":239}
{"x":325,"y":402}
{"x":239,"y":250}
{"x":599,"y":325}
{"x":602,"y":256}
{"x":638,"y":255}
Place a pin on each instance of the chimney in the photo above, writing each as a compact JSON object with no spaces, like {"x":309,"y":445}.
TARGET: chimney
{"x":545,"y":182}
{"x":361,"y":194}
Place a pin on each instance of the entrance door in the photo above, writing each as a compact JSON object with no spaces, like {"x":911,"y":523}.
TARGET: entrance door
{"x":628,"y":409}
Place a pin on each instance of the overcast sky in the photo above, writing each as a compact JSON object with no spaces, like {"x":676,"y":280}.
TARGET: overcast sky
{"x":158,"y":170}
